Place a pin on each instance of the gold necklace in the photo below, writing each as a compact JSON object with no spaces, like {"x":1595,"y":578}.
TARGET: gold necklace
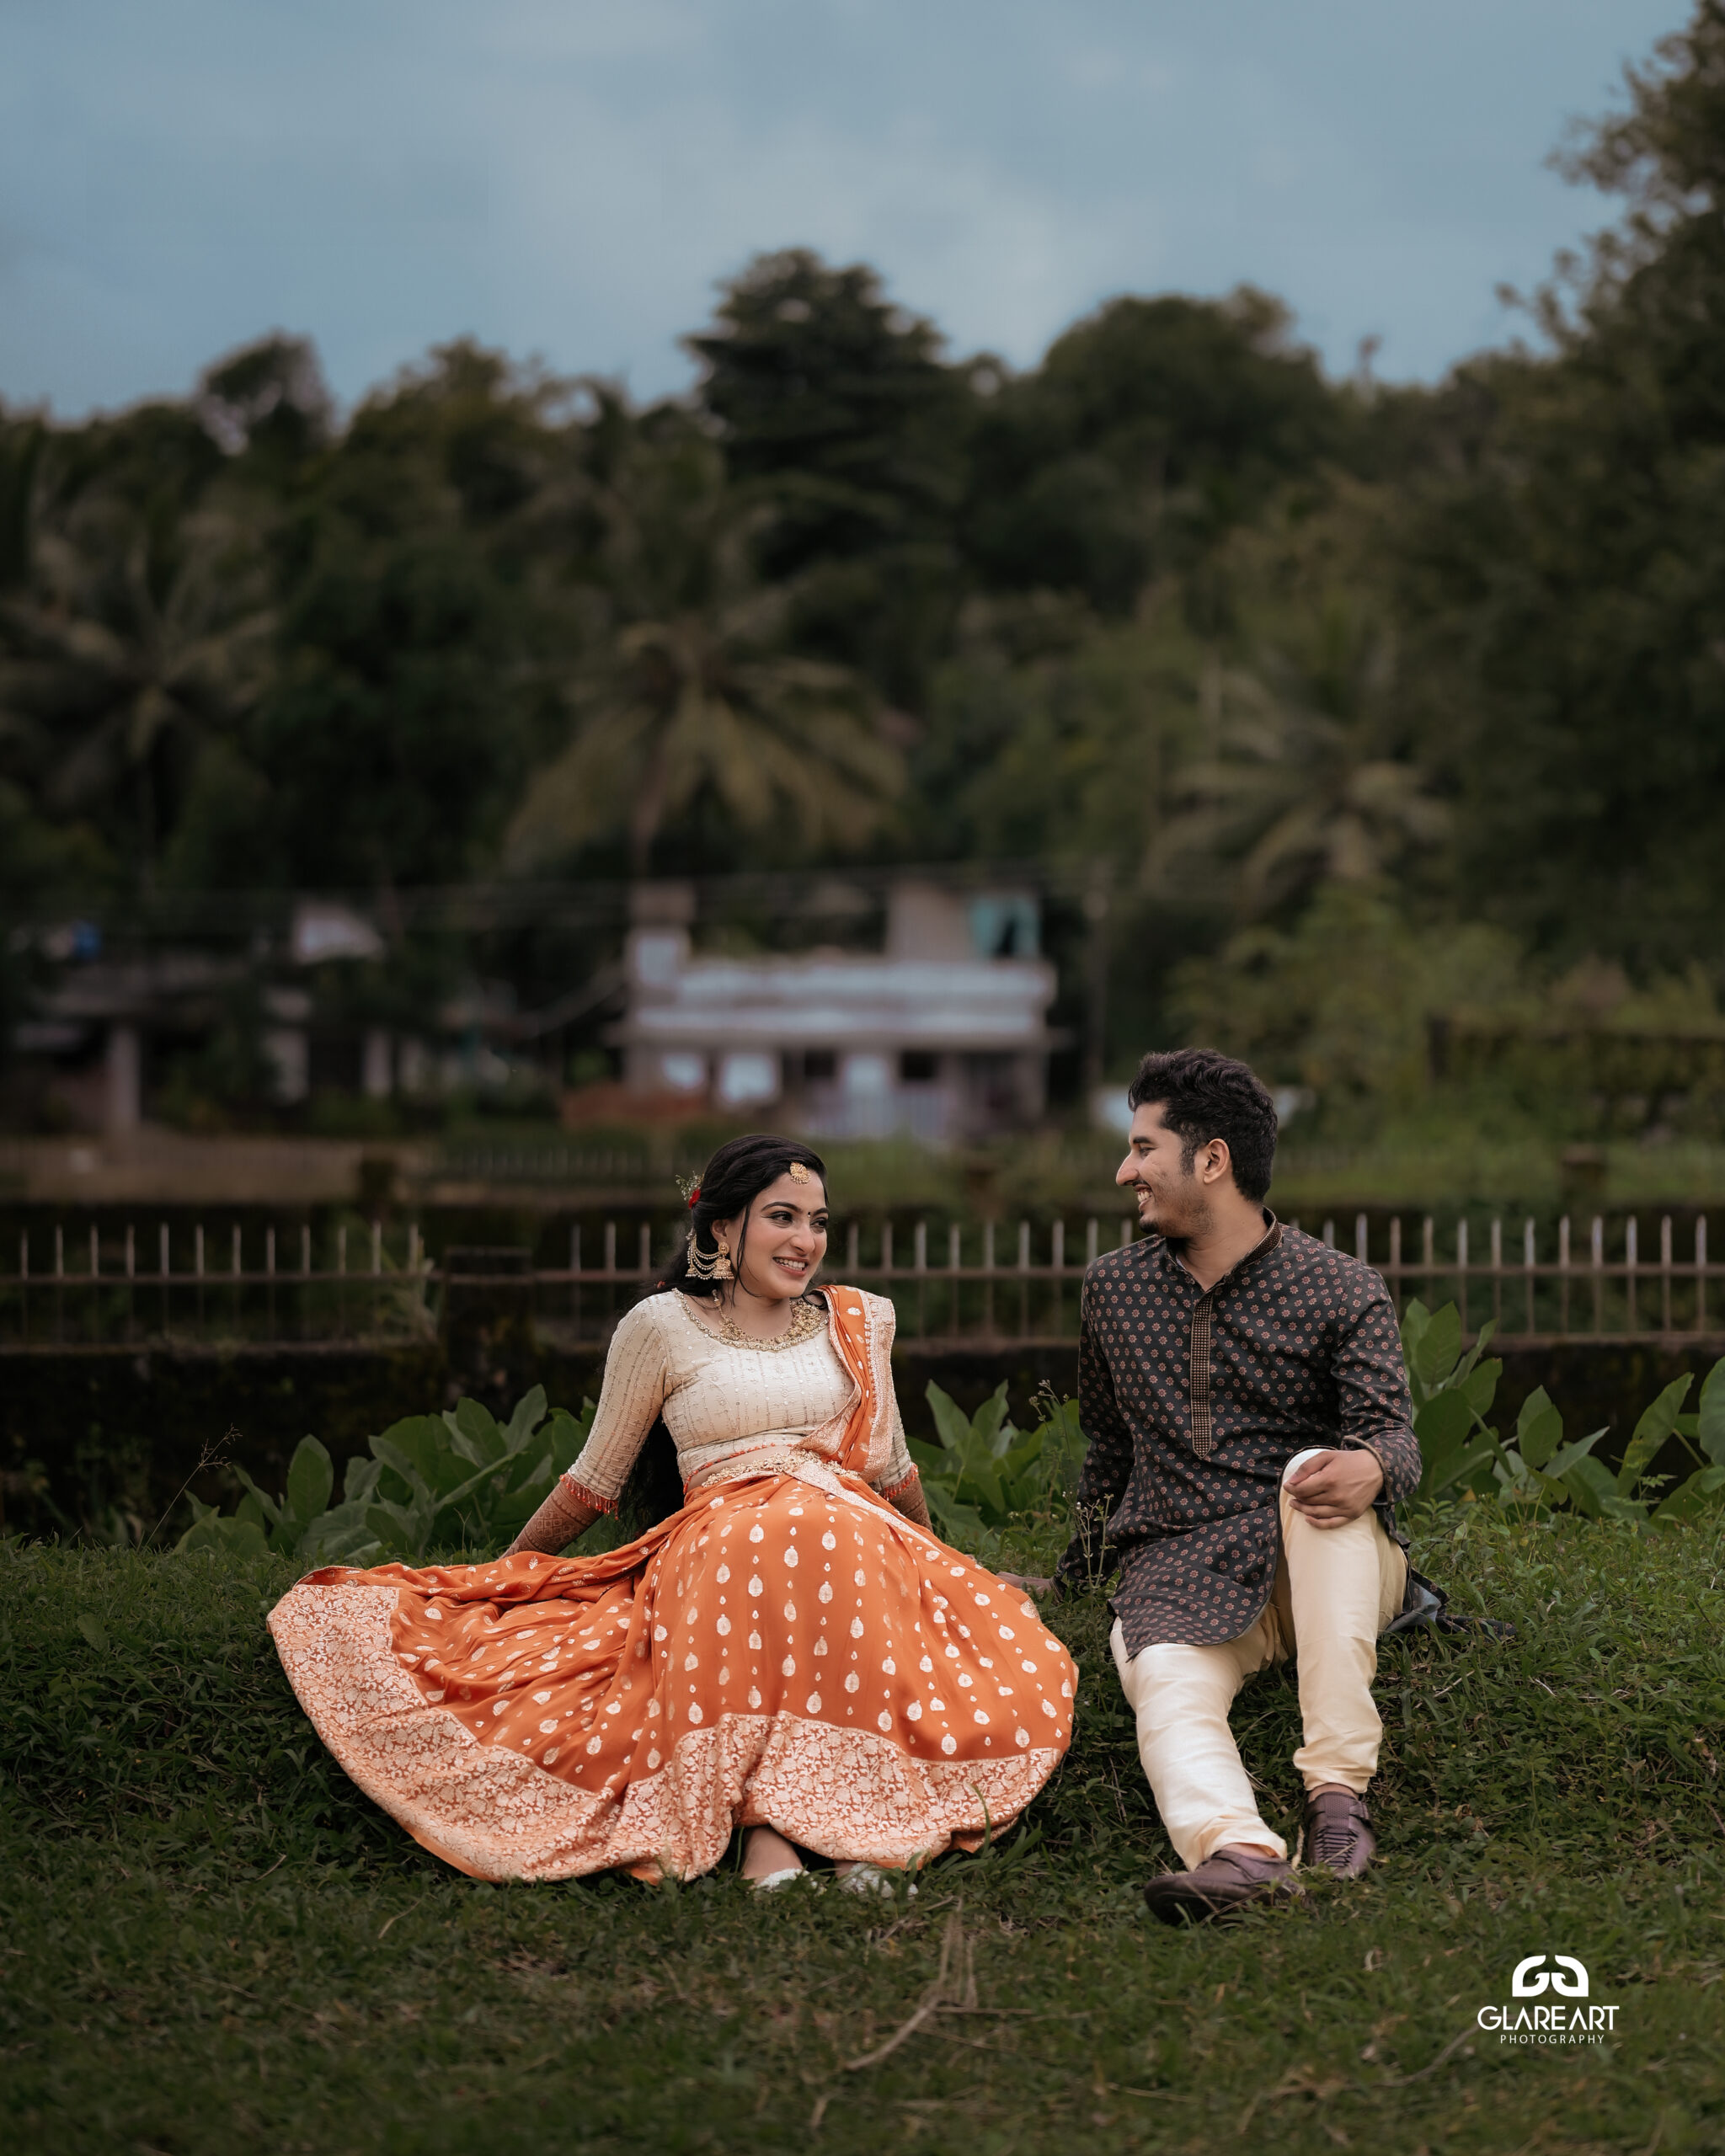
{"x":807,"y":1319}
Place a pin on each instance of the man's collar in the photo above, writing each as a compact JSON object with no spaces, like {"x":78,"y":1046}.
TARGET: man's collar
{"x":1270,"y":1239}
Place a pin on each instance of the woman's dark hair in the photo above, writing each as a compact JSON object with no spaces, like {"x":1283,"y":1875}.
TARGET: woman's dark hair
{"x":1204,"y":1094}
{"x":735,"y":1177}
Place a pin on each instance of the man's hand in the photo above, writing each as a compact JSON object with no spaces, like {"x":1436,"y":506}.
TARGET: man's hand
{"x":1335,"y":1488}
{"x":1032,"y":1583}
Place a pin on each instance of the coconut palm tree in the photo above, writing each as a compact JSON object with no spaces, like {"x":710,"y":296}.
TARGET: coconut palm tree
{"x":132,"y":639}
{"x":690,"y":690}
{"x":1298,"y":783}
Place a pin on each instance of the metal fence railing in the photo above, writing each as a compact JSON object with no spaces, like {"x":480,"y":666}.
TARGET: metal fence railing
{"x":1609,"y":1288}
{"x":123,"y":1289}
{"x":974,"y":1282}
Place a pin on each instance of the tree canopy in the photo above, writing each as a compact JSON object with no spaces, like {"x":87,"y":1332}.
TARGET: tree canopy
{"x":1174,"y":609}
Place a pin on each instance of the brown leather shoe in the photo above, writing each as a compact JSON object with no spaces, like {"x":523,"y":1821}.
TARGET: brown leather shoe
{"x":1227,"y":1879}
{"x":1338,"y":1835}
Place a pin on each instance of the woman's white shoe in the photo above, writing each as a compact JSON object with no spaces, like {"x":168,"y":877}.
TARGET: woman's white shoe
{"x":782,"y":1878}
{"x":870,"y":1879}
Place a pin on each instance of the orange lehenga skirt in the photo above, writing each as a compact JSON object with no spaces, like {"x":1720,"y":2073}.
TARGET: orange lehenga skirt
{"x":781,"y":1652}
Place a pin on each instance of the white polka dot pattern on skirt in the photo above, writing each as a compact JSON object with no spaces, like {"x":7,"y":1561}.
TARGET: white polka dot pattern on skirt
{"x":635,"y":1690}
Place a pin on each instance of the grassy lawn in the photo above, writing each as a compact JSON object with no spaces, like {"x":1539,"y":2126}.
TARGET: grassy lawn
{"x":212,"y":1942}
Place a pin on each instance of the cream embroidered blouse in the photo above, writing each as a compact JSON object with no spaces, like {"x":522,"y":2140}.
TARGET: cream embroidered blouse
{"x":735,"y":1411}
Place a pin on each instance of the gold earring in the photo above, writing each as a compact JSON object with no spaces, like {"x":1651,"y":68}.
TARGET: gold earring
{"x":722,"y":1264}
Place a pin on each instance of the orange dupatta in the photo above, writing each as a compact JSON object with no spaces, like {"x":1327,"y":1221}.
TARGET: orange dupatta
{"x":852,"y":1335}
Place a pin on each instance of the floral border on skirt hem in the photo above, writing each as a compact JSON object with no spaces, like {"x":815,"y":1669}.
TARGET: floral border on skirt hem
{"x":488,"y":1812}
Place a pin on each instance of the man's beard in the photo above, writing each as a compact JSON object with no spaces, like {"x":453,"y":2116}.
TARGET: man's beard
{"x":1175,"y":1224}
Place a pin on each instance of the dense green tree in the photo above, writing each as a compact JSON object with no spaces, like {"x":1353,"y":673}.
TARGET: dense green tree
{"x":1171,"y":610}
{"x":268,"y":404}
{"x":397,"y":732}
{"x":1052,"y":736}
{"x":23,"y":439}
{"x":1563,"y":558}
{"x":837,"y":411}
{"x":1342,"y":1000}
{"x":136,"y":629}
{"x":1304,"y":769}
{"x":1149,"y":431}
{"x":688,"y":697}
{"x":839,"y":403}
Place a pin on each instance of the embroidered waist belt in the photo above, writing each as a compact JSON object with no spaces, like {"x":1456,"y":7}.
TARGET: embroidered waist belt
{"x":779,"y":1460}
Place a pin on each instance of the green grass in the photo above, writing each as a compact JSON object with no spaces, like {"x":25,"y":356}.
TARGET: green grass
{"x":211,"y":1942}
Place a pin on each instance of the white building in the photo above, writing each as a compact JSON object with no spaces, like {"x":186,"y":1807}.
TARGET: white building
{"x":944,"y":1034}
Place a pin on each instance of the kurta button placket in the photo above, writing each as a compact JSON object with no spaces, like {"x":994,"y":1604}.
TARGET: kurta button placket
{"x":1199,"y":1375}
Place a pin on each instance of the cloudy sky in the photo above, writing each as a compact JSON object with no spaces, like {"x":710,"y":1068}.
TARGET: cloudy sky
{"x":569,"y":179}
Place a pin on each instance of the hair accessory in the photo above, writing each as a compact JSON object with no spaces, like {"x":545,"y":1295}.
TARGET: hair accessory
{"x":797,"y":1171}
{"x":689,"y":1186}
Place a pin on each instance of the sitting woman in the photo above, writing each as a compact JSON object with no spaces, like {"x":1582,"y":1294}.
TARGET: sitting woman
{"x":793,"y":1654}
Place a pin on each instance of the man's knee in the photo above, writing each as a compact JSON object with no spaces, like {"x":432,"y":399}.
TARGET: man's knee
{"x":1299,"y":1461}
{"x":1359,"y":1560}
{"x":1304,"y":1542}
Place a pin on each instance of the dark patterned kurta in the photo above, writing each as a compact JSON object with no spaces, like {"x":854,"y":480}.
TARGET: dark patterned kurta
{"x":1194,"y":1402}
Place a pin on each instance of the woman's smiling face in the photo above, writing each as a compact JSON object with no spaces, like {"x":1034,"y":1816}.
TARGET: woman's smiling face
{"x":787,"y":1238}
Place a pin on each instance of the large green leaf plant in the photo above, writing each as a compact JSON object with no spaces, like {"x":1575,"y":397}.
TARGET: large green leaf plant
{"x":1463,"y":1455}
{"x":461,"y":1479}
{"x":985,"y":1473}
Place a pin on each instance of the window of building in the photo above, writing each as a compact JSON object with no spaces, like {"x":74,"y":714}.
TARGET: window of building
{"x":917,"y":1066}
{"x":683,"y":1071}
{"x":867,"y":1077}
{"x":819,"y":1064}
{"x":746,"y":1077}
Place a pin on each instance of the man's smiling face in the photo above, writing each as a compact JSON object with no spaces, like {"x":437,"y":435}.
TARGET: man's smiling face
{"x":1173,"y":1199}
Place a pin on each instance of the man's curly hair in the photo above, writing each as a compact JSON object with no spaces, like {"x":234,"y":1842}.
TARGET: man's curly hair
{"x":1204,"y":1094}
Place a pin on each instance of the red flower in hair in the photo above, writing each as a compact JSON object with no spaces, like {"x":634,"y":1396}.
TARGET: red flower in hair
{"x":694,"y":1197}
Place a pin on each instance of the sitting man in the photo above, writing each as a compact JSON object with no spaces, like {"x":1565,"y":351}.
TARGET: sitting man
{"x":1250,"y":1427}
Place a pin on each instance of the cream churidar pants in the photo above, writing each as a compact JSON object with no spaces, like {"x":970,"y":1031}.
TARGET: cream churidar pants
{"x":1336,"y":1589}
